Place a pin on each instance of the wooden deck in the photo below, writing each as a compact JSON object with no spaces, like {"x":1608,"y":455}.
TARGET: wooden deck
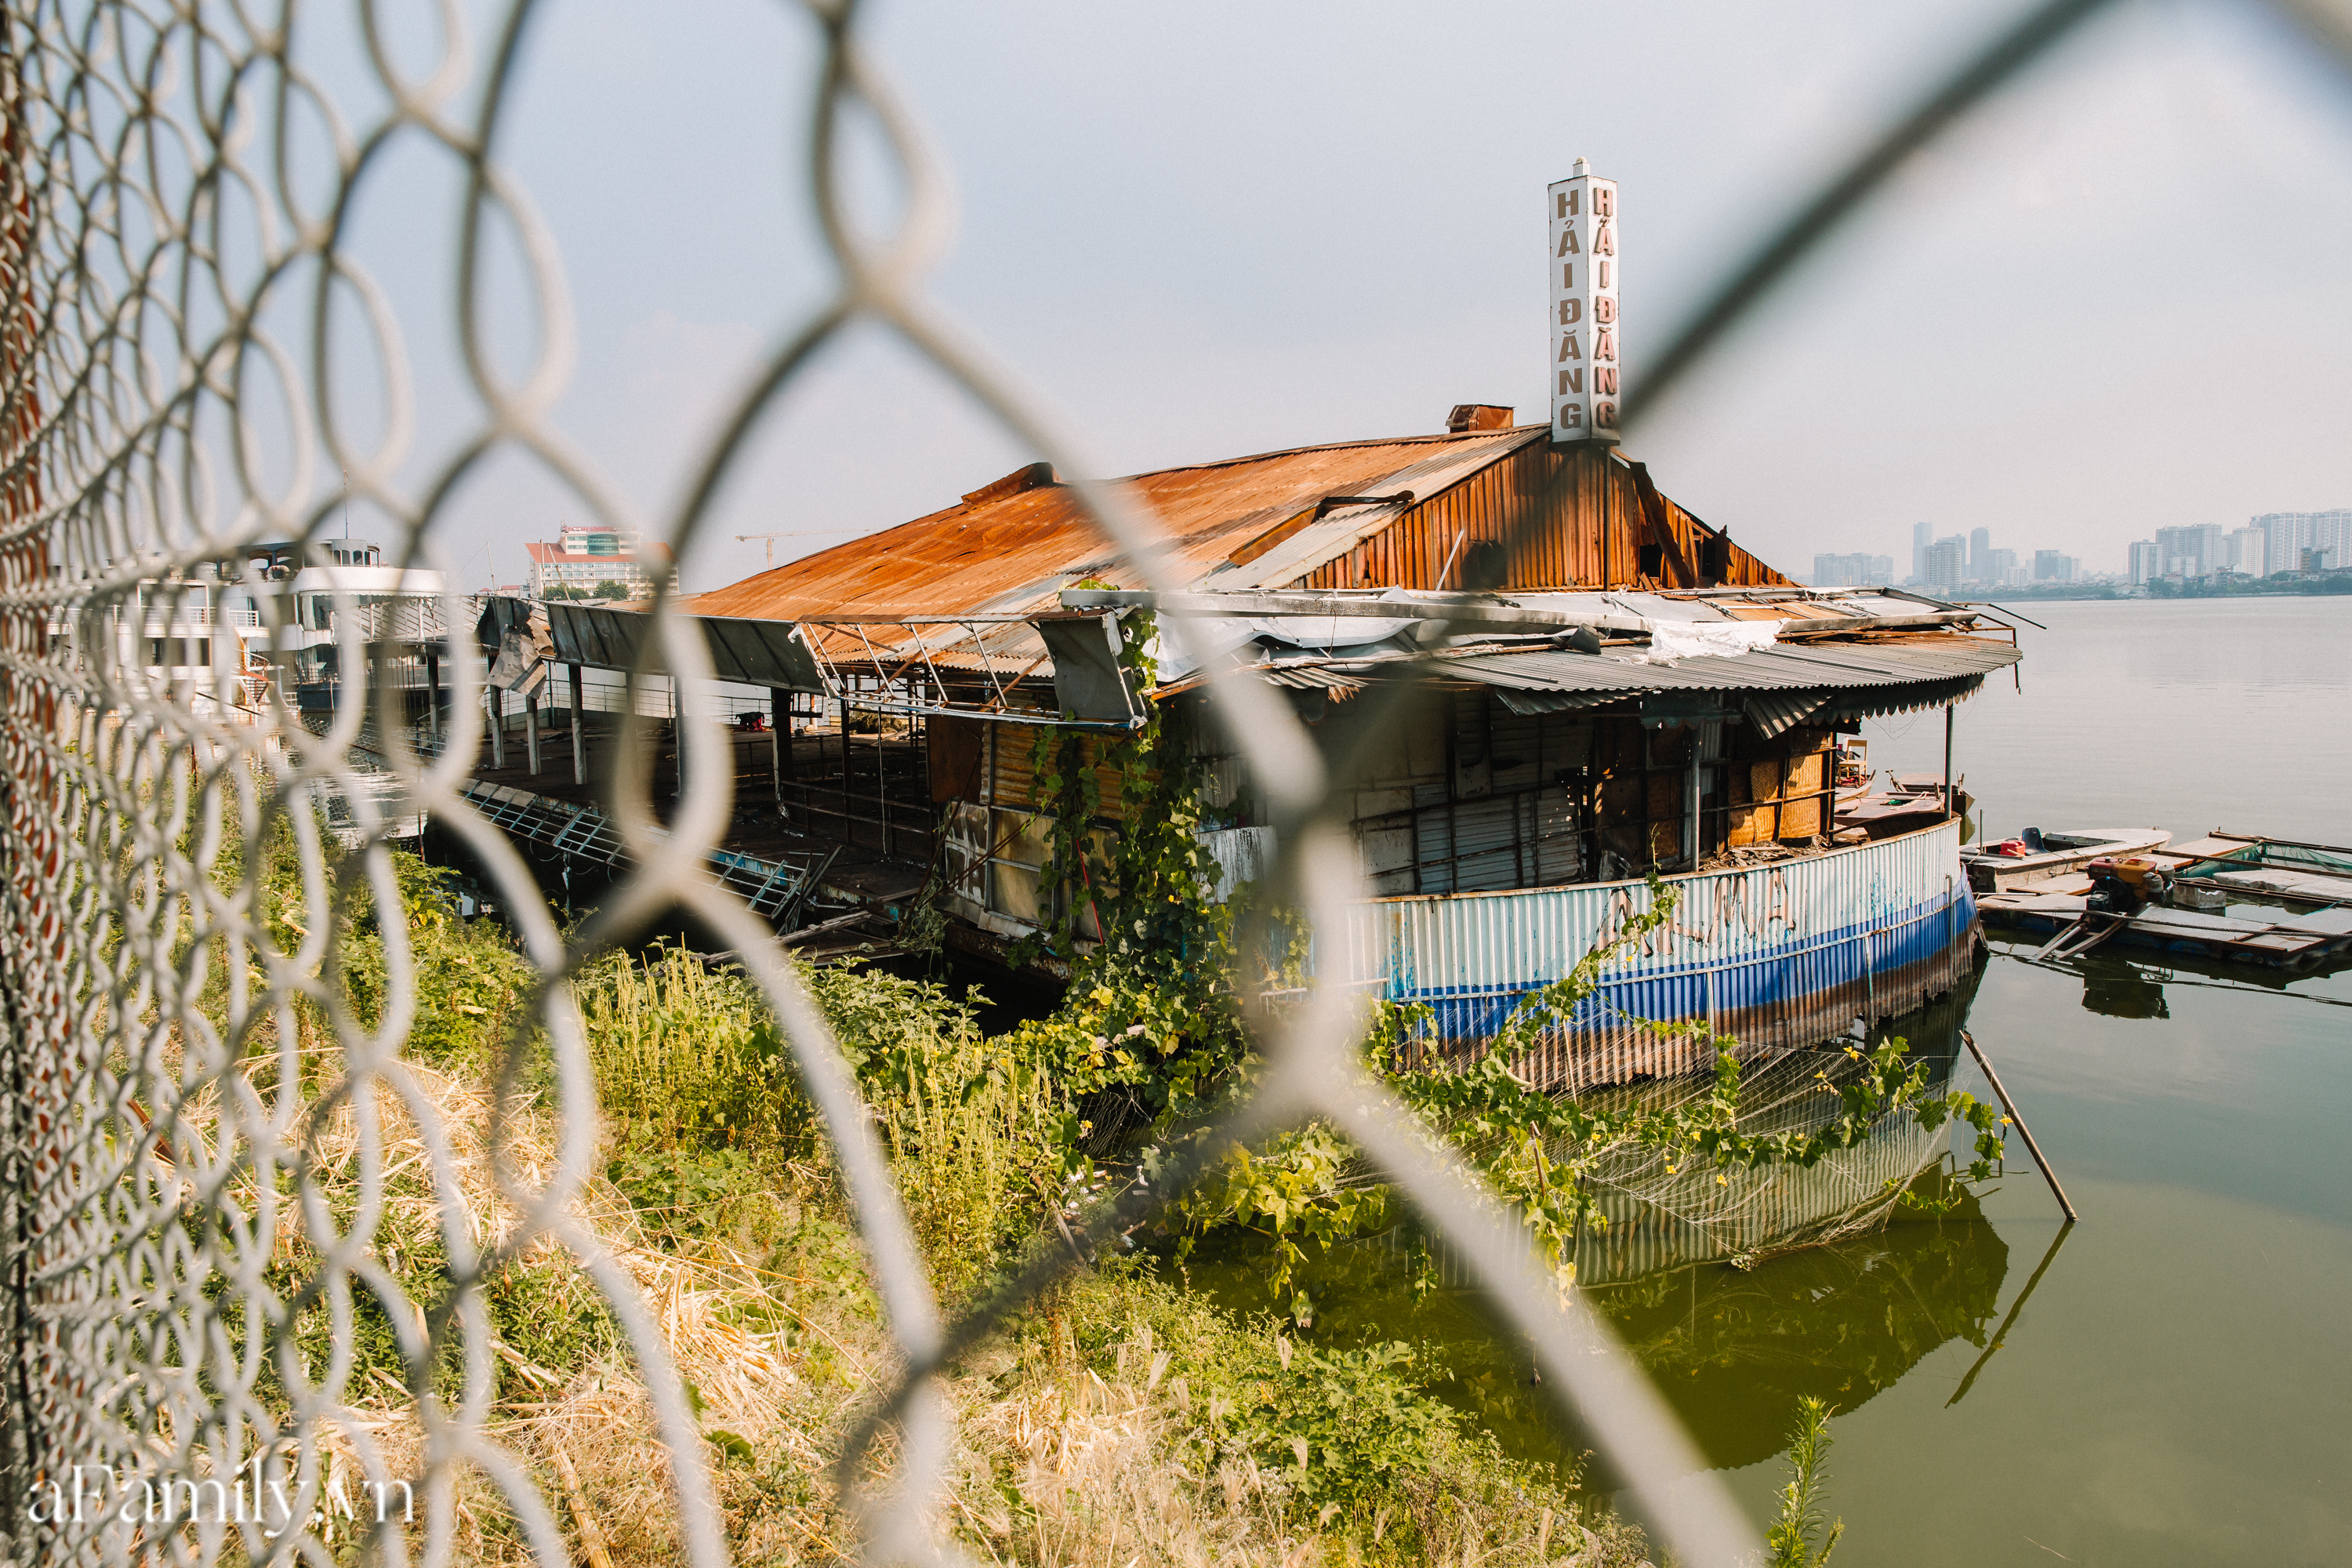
{"x":822,"y":797}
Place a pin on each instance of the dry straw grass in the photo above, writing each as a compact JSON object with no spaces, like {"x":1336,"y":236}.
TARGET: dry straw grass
{"x":1062,"y":1466}
{"x":1065,"y":1459}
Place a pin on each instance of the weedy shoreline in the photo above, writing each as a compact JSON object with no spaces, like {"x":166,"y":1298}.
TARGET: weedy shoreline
{"x":1126,"y":1421}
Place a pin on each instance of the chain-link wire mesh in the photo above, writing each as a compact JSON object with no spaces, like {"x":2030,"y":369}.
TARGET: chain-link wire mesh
{"x":181,"y":281}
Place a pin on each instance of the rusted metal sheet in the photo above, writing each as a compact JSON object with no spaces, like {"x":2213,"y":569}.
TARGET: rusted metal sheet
{"x":1781,"y":955}
{"x":1016,"y":552}
{"x":1591,"y":532}
{"x":1014,"y":549}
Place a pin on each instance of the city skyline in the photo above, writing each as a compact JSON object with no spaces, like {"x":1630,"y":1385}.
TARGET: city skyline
{"x":2265,"y":544}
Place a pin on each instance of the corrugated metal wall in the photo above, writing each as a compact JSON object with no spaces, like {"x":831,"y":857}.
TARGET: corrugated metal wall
{"x":1779,"y":955}
{"x":1592,"y":533}
{"x":1013,"y":774}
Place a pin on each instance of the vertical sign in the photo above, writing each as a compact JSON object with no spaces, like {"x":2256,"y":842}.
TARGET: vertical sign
{"x":1584,"y":352}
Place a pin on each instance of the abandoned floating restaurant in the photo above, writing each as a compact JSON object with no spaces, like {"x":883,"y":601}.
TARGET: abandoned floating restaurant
{"x":1588,"y":684}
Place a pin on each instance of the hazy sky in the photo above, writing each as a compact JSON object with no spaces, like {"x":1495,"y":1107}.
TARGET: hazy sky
{"x":2118,"y":301}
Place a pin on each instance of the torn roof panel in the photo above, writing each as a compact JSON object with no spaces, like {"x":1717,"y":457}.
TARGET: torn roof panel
{"x":1015,"y":551}
{"x":1345,"y":527}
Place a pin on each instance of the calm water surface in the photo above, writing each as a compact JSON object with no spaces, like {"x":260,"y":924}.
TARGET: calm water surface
{"x":2177,"y":1389}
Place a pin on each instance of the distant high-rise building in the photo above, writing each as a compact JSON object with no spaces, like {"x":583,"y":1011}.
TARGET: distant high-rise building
{"x":2144,"y":562}
{"x":584,"y":560}
{"x":2287,"y":534}
{"x":1858,"y":571}
{"x":1923,"y":534}
{"x":1980,"y":550}
{"x":2198,"y":550}
{"x":2055,"y":566}
{"x":2331,"y":535}
{"x":2248,"y":551}
{"x":1997,"y":567}
{"x":1947,"y":562}
{"x":2284,"y":533}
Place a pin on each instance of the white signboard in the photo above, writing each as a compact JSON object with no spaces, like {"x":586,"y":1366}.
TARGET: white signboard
{"x":1584,"y":344}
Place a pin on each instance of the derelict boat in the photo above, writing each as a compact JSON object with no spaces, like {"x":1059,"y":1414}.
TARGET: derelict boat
{"x":2197,"y":898}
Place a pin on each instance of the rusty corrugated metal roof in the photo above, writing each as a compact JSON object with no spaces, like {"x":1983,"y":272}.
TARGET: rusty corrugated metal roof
{"x":1014,"y":551}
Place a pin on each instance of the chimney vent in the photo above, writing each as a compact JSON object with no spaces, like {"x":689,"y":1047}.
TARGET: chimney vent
{"x":1469,"y":417}
{"x":1037,"y":475}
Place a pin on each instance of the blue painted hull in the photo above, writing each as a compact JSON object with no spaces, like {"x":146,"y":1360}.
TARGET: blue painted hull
{"x":1780,"y":956}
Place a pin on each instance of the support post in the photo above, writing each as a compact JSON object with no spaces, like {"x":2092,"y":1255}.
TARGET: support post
{"x":432,"y":693}
{"x":848,"y":828}
{"x":1869,"y":981}
{"x":882,"y":785}
{"x":780,"y":738}
{"x":678,"y":733}
{"x":1952,"y":937}
{"x":498,"y":726}
{"x":2008,"y":1105}
{"x":531,"y":730}
{"x":1690,"y":808}
{"x":1948,"y":803}
{"x":579,"y":737}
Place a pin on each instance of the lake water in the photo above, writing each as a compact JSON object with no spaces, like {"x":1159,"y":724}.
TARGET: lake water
{"x":2176,"y":1389}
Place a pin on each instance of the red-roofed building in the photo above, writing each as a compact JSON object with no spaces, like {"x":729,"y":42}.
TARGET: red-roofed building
{"x":589,"y":562}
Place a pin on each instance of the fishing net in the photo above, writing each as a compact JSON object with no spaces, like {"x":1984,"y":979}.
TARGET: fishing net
{"x":1662,"y":1213}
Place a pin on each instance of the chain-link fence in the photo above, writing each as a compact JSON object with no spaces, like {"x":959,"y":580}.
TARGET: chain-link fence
{"x":181,"y":286}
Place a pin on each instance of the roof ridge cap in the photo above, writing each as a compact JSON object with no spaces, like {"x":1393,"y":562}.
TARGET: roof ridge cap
{"x":1441,"y":435}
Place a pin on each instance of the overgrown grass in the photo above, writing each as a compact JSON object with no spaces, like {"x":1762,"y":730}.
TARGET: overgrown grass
{"x":1124,"y":1421}
{"x":707,"y":1115}
{"x":1124,"y":1418}
{"x":686,"y":1059}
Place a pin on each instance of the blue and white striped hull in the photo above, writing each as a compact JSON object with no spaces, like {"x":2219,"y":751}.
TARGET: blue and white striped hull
{"x":1781,"y":956}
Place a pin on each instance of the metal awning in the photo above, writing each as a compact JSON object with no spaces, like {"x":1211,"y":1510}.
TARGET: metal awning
{"x":887,"y":664}
{"x":1775,"y":687}
{"x":755,"y":653}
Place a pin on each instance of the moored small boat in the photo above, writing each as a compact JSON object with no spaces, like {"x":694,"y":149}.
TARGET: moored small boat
{"x":2036,"y":856}
{"x":2169,"y":896}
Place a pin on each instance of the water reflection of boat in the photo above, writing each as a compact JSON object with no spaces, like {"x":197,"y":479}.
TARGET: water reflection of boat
{"x":2128,"y":994}
{"x":1731,"y":1349}
{"x":2124,"y":983}
{"x":1739,"y":1295}
{"x":1663,"y":1215}
{"x":1734,"y":1350}
{"x":1660,"y":1218}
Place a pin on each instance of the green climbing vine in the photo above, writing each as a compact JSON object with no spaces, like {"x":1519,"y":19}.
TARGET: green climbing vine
{"x":1149,"y":1009}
